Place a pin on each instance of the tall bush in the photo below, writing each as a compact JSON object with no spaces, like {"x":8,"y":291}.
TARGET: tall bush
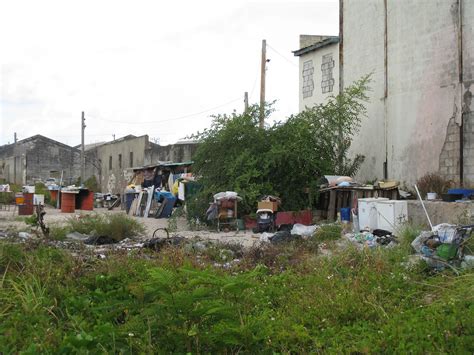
{"x":285,"y":159}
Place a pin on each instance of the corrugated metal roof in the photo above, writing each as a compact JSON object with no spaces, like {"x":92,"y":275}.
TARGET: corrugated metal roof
{"x":316,"y":46}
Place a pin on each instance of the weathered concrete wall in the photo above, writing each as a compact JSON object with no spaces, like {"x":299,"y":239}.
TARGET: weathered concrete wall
{"x":440,"y":212}
{"x":111,"y":162}
{"x":417,"y":98}
{"x":36,"y":159}
{"x":363,"y":51}
{"x":312,"y":66}
{"x":176,"y":153}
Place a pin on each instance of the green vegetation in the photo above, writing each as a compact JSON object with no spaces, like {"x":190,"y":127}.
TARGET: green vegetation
{"x":286,"y":159}
{"x":117,"y":226}
{"x":177,"y":301}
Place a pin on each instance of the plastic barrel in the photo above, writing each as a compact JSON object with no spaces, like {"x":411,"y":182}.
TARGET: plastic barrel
{"x":88,"y":201}
{"x":346,"y":214}
{"x":128,"y":200}
{"x":54,"y":195}
{"x":68,"y":202}
{"x":26,"y":209}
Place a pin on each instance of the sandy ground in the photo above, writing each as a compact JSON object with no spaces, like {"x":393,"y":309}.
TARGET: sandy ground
{"x":10,"y":219}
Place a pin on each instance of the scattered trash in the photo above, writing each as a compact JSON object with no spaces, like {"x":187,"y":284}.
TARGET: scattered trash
{"x":444,"y":246}
{"x":24,"y":235}
{"x":77,"y":236}
{"x":99,"y":240}
{"x":304,"y":231}
{"x":158,"y":243}
{"x":282,"y":236}
{"x":378,"y":237}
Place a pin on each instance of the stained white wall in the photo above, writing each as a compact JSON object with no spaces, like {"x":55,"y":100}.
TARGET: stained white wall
{"x":316,"y":57}
{"x":416,"y":125}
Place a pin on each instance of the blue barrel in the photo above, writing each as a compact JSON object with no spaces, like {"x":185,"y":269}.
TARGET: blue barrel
{"x":346,"y":214}
{"x":129,"y":197}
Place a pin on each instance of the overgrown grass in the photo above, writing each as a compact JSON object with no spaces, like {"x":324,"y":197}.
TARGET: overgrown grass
{"x":117,"y":226}
{"x":176,"y":302}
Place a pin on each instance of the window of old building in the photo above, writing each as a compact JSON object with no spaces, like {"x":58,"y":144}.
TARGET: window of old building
{"x":308,"y":82}
{"x":131,"y":159}
{"x":120,"y":161}
{"x":327,"y":81}
{"x":110,"y":163}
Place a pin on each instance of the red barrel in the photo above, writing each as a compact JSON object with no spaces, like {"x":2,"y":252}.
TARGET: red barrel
{"x":88,"y":201}
{"x":26,"y":209}
{"x":54,"y":195}
{"x":68,"y":202}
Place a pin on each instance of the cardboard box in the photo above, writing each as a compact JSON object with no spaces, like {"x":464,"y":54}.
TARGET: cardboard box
{"x":268,"y":205}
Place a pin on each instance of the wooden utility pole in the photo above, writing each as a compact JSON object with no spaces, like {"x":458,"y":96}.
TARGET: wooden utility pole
{"x":83,"y":158}
{"x":262,"y":83}
{"x":246,"y":101}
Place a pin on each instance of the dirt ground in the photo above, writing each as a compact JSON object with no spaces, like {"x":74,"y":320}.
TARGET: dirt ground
{"x":10,"y":219}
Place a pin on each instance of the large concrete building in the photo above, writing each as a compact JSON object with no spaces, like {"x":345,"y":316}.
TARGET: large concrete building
{"x":421,"y":57}
{"x":318,"y":69}
{"x":111,"y":162}
{"x":38,"y":158}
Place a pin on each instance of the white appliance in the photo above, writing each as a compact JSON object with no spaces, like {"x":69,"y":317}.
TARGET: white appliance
{"x":391,"y":214}
{"x":368,"y":212}
{"x":38,"y":199}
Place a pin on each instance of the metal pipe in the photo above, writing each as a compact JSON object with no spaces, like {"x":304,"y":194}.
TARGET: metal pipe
{"x":424,"y":208}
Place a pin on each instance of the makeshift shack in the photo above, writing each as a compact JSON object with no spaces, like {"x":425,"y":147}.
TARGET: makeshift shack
{"x":156,"y":189}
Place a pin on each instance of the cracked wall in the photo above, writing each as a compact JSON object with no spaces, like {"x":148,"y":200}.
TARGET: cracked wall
{"x":417,"y":125}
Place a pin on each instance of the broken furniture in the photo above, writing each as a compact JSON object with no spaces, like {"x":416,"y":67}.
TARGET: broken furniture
{"x":227,"y":210}
{"x":332,"y":199}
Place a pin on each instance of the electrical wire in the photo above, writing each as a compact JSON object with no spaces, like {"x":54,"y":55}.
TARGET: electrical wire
{"x":281,"y":55}
{"x":169,"y":119}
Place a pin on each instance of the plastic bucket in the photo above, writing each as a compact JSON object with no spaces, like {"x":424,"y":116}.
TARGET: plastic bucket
{"x":431,"y":196}
{"x":346,"y":214}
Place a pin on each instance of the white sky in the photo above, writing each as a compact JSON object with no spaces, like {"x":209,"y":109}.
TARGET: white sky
{"x":129,"y":63}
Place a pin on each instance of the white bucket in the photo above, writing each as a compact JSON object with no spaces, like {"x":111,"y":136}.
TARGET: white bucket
{"x":431,"y":196}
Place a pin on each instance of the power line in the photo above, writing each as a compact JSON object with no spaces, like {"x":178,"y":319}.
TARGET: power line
{"x":172,"y":119}
{"x":281,"y":55}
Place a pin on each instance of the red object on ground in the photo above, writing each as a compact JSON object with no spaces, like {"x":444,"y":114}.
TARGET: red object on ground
{"x":87,"y":201}
{"x":68,"y":202}
{"x":54,"y":195}
{"x":250,"y":222}
{"x":26,"y":209}
{"x":302,"y":217}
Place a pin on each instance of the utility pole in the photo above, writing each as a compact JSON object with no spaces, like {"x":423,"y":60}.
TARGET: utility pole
{"x":246,"y":101}
{"x":83,"y":158}
{"x":262,"y":83}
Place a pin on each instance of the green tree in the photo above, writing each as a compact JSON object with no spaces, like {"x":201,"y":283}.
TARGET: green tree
{"x":286,"y":159}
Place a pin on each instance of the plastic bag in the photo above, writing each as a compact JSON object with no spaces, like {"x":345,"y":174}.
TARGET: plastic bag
{"x":304,"y":231}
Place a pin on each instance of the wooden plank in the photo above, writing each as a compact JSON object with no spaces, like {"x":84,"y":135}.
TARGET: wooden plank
{"x":332,"y":213}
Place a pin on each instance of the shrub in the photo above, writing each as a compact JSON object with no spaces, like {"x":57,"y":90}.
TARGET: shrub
{"x":117,"y":226}
{"x":433,"y":182}
{"x":285,"y":159}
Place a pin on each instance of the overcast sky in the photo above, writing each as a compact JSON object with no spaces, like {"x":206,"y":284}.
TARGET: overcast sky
{"x":146,"y":67}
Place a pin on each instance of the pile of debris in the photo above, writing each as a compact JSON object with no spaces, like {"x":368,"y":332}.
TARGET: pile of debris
{"x":378,"y":237}
{"x":444,"y":246}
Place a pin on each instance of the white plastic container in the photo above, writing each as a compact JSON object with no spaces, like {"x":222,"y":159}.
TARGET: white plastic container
{"x":368,"y":212}
{"x":391,"y":214}
{"x":38,"y":199}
